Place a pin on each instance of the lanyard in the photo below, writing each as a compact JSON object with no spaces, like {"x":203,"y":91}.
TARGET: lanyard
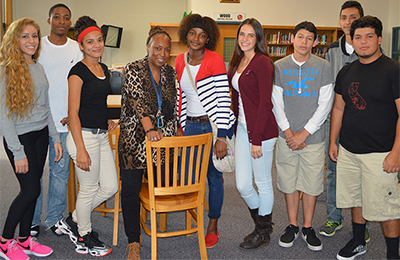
{"x":160,"y":121}
{"x":159,"y":93}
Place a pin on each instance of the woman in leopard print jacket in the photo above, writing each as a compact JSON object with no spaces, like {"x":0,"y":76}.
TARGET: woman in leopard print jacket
{"x":142,"y":114}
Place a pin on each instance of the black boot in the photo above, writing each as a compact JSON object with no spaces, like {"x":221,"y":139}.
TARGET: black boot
{"x":270,"y":223}
{"x":261,"y":235}
{"x":254,"y":215}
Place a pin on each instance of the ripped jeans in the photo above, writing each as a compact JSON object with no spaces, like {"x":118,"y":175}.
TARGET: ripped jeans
{"x":57,"y":192}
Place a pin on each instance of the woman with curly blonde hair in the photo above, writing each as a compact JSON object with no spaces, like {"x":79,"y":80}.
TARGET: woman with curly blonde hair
{"x":25,"y":123}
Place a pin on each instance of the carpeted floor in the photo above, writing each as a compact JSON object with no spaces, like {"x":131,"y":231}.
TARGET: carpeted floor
{"x":234,"y":224}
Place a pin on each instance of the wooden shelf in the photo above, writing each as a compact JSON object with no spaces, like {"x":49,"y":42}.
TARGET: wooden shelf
{"x":176,"y":46}
{"x":279,"y":33}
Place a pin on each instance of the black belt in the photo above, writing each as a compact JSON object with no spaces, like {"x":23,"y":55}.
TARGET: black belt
{"x":198,"y":119}
{"x":94,"y":130}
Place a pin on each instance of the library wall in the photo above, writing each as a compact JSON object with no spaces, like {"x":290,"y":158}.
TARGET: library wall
{"x":135,"y":16}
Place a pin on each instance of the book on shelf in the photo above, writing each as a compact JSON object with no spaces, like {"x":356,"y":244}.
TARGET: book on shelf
{"x":277,"y":51}
{"x":278,"y":38}
{"x":322,"y":39}
{"x":320,"y":51}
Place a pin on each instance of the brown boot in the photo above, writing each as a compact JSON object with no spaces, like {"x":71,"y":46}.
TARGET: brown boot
{"x":261,"y":235}
{"x":134,"y":251}
{"x":254,"y":215}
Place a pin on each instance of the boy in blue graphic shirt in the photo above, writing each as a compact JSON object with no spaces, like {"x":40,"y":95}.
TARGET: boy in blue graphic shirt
{"x":302,"y":96}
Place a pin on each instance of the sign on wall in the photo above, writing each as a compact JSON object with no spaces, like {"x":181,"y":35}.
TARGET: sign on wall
{"x":229,"y":17}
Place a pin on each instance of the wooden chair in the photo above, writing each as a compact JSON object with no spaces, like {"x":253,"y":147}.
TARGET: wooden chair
{"x":72,"y":183}
{"x":178,"y":196}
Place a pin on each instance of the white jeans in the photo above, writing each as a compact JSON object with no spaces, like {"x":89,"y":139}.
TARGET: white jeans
{"x":246,"y":166}
{"x":99,"y":183}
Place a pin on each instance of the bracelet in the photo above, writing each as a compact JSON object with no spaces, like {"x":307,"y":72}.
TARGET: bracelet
{"x":222,"y":140}
{"x":151,"y":129}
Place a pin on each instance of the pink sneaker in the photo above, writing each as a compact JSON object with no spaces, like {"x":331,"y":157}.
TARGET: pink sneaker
{"x":32,"y":247}
{"x":11,"y":251}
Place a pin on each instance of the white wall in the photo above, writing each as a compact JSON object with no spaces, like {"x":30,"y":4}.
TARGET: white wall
{"x":134,"y":16}
{"x":394,"y":17}
{"x":291,"y":12}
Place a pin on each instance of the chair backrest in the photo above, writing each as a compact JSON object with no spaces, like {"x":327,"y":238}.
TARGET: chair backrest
{"x":116,"y":81}
{"x":180,"y":154}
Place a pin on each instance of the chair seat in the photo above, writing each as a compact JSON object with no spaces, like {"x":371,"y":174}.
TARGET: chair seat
{"x":169,"y":203}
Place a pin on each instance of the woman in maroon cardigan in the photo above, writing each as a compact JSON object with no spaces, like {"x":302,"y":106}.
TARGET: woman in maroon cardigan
{"x":250,"y":78}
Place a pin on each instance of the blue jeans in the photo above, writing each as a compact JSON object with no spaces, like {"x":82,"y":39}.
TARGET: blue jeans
{"x":246,"y":166}
{"x":334,"y":214}
{"x":214,"y":177}
{"x":57,"y":192}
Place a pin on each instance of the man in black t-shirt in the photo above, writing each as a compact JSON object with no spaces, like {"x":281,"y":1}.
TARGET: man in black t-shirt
{"x":366,"y":114}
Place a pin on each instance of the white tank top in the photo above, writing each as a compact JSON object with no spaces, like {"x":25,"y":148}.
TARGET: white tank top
{"x":235,"y":85}
{"x":194,"y":107}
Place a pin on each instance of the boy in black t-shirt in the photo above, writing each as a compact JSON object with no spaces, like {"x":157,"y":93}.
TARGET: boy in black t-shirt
{"x":366,"y":114}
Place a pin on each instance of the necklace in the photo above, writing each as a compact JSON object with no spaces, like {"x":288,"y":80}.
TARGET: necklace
{"x":194,"y":62}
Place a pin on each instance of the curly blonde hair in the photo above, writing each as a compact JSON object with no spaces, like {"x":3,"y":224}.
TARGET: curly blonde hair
{"x":20,"y":91}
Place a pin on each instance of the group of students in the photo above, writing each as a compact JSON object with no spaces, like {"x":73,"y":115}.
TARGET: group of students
{"x":42,"y":94}
{"x":282,"y":106}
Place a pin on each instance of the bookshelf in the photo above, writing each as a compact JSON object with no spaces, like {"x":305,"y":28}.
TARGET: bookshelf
{"x":278,"y":40}
{"x":396,"y":44}
{"x":277,"y":37}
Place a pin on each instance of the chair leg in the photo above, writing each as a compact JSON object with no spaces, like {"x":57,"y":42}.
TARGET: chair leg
{"x":205,"y":203}
{"x":153,"y":220}
{"x":103,"y":206}
{"x":143,"y":218}
{"x":116,"y":218}
{"x":163,"y":221}
{"x":71,"y":187}
{"x":194,"y":217}
{"x":200,"y":231}
{"x":143,"y":214}
{"x":188,"y":221}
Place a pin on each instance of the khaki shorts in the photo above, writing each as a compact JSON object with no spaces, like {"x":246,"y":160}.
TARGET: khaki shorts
{"x":361,"y":182}
{"x":300,"y":170}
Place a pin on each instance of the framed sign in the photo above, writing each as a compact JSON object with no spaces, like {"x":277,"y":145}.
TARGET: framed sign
{"x":229,"y":17}
{"x":230,"y":1}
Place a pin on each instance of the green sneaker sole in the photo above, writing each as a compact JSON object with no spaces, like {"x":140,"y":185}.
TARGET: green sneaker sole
{"x":327,"y":234}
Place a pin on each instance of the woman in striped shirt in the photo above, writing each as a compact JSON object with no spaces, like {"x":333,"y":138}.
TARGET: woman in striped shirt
{"x":203,"y":97}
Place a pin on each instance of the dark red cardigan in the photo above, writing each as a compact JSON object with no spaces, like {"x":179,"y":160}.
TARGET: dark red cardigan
{"x":255,"y":85}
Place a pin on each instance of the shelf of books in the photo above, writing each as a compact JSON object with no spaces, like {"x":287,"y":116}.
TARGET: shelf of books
{"x":278,"y":40}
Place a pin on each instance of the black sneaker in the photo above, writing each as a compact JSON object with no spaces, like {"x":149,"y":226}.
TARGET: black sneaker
{"x":91,"y":244}
{"x":311,"y":239}
{"x":288,"y":237}
{"x":351,"y":250}
{"x":56,"y":231}
{"x":68,"y":227}
{"x":35,"y":230}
